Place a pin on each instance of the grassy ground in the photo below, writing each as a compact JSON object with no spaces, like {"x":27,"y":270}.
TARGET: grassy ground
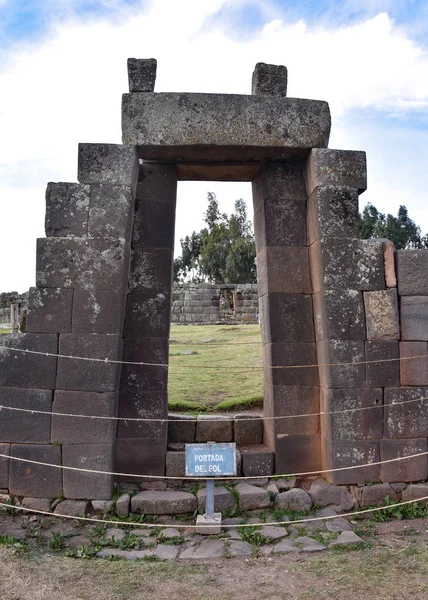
{"x":195,"y":384}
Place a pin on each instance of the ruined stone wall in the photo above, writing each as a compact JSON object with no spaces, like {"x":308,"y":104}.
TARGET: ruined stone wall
{"x":205,"y":303}
{"x":8,"y":298}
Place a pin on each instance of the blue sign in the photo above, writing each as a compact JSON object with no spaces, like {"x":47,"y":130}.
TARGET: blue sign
{"x":210,"y":460}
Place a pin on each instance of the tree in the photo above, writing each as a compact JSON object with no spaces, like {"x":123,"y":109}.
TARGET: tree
{"x":222,"y":252}
{"x":401,"y":230}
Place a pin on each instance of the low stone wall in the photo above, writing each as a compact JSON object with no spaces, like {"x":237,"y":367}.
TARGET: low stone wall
{"x":8,"y":298}
{"x":205,"y":303}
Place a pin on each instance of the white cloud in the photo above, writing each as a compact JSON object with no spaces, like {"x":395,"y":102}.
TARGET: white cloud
{"x":67,"y":89}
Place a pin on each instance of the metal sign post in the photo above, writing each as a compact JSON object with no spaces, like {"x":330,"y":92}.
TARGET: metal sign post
{"x":210,"y":460}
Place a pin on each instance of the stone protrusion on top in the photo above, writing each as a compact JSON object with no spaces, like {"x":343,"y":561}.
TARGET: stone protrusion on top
{"x":142,"y":74}
{"x":336,"y":167}
{"x":269,"y":80}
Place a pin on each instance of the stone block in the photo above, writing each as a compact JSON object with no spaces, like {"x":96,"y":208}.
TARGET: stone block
{"x":389,"y":259}
{"x":157,"y":183}
{"x":86,"y":263}
{"x":333,"y":212}
{"x":337,"y":352}
{"x":181,"y":428}
{"x":286,"y":318}
{"x":326,"y":166}
{"x":287,"y":355}
{"x":141,"y":377}
{"x":163,"y":503}
{"x":103,"y":507}
{"x":338,"y":498}
{"x":98,"y":311}
{"x":374,"y":495}
{"x":297,"y":453}
{"x":22,"y":370}
{"x":252,"y":497}
{"x":347,"y":538}
{"x":382,"y":374}
{"x":142,"y":74}
{"x":278,"y":182}
{"x":67,"y":209}
{"x":151,"y":270}
{"x":339,"y":315}
{"x":122,"y":506}
{"x":84,"y":375}
{"x":140,"y":456}
{"x":115,"y":164}
{"x":288,"y":400}
{"x":223,"y":499}
{"x":248,"y":429}
{"x":414,"y":370}
{"x":257,"y":460}
{"x":348,"y":453}
{"x":363,"y":424}
{"x":49,"y":310}
{"x":111,"y":211}
{"x":148,"y":314}
{"x":36,"y":481}
{"x":154,"y":222}
{"x":279,"y":222}
{"x":71,"y":430}
{"x":274,"y":262}
{"x":414,"y":318}
{"x":413,"y":469}
{"x":25,"y":427}
{"x":381,"y":309}
{"x":269,"y":80}
{"x":43,"y":504}
{"x":136,"y":404}
{"x":214,"y":428}
{"x":262,"y":126}
{"x":415,"y":492}
{"x":295,"y":499}
{"x":175,"y":464}
{"x":4,"y":466}
{"x":72,"y":508}
{"x":412,"y":268}
{"x":96,"y":457}
{"x":408,"y":420}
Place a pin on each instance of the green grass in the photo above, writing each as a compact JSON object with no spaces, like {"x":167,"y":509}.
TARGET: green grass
{"x":194,"y":387}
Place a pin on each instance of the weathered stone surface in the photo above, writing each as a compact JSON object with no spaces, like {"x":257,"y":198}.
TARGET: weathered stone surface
{"x":69,"y":430}
{"x":374,"y":495}
{"x":363,"y":424}
{"x":35,"y":481}
{"x":21,"y":370}
{"x":143,"y":456}
{"x":43,"y":504}
{"x":181,"y":428}
{"x":295,"y":499}
{"x":164,"y":552}
{"x":414,"y":317}
{"x":102,"y":507}
{"x":257,"y":460}
{"x":273,"y":532}
{"x":248,"y":429}
{"x":347,"y":453}
{"x":279,"y":181}
{"x":98,"y":311}
{"x":337,"y":497}
{"x":122,"y":506}
{"x":415,"y":492}
{"x":339,"y":315}
{"x":412,"y":266}
{"x":97,"y":263}
{"x":25,"y":427}
{"x":279,"y":221}
{"x":67,"y":209}
{"x":326,"y":166}
{"x":115,"y":533}
{"x":413,"y":469}
{"x":332,"y":212}
{"x":381,"y":309}
{"x":287,"y":318}
{"x":163,"y":503}
{"x":206,"y":549}
{"x":157,"y":182}
{"x":286,"y":401}
{"x":126,"y":554}
{"x":142,"y":74}
{"x":151,"y":270}
{"x":73,"y":508}
{"x":214,"y":428}
{"x":49,"y":310}
{"x":405,"y":420}
{"x":382,"y":374}
{"x":158,"y":123}
{"x":297,"y":453}
{"x":252,"y":497}
{"x":148,"y":314}
{"x":147,"y":350}
{"x":332,"y":352}
{"x":154,"y":221}
{"x":340,"y":524}
{"x":135,"y":404}
{"x":4,"y":466}
{"x":175,"y":464}
{"x":307,"y":544}
{"x":223,"y":499}
{"x":289,"y":354}
{"x":111,"y":211}
{"x":95,"y":457}
{"x":346,"y":538}
{"x":413,"y":371}
{"x":389,"y":258}
{"x":274,"y":261}
{"x":284,"y":547}
{"x":107,"y":163}
{"x":238,"y":548}
{"x":269,"y":80}
{"x":89,"y":375}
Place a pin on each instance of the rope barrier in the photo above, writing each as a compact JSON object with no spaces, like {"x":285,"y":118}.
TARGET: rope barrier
{"x":180,"y":526}
{"x":238,"y":478}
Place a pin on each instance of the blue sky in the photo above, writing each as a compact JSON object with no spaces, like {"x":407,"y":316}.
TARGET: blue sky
{"x":63,"y":70}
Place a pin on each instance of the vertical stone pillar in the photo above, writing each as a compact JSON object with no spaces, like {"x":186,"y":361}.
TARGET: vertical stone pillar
{"x":141,"y":447}
{"x":286,"y":316}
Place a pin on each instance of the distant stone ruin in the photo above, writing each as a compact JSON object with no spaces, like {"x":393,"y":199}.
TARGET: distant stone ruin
{"x":327,"y":299}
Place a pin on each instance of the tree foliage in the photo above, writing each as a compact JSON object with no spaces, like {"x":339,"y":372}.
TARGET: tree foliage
{"x":222,"y":252}
{"x":401,"y":230}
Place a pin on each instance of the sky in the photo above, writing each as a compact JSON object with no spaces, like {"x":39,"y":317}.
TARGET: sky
{"x":63,"y":71}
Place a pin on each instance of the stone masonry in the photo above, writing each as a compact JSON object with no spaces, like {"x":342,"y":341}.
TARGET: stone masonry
{"x":104,"y":290}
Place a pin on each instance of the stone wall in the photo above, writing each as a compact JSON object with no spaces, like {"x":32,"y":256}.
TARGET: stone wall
{"x":8,"y":298}
{"x":205,"y":303}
